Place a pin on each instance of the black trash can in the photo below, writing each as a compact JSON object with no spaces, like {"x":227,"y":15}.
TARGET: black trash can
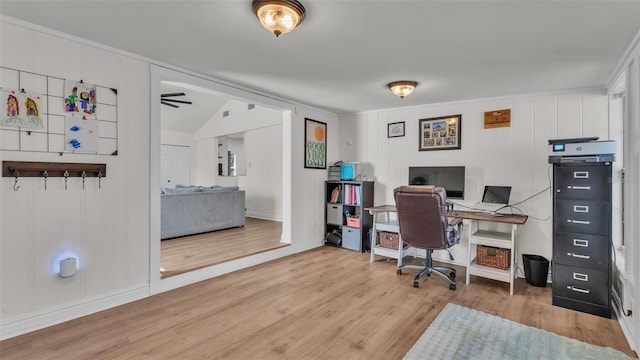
{"x":536,"y":268}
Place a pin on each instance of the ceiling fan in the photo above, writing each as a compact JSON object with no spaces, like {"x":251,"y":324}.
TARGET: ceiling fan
{"x":164,"y":99}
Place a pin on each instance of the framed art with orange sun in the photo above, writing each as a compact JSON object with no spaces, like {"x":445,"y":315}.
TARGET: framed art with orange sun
{"x":315,"y":144}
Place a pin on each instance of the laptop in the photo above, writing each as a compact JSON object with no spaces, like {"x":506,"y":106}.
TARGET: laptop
{"x":494,"y":198}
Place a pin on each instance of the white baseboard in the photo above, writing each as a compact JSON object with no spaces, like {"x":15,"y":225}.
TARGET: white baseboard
{"x":626,"y":324}
{"x":52,"y":316}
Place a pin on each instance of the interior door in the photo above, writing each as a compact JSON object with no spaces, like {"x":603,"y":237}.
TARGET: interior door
{"x":175,"y":165}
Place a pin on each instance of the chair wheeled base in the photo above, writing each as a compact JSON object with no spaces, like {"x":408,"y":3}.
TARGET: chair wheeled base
{"x":429,"y":269}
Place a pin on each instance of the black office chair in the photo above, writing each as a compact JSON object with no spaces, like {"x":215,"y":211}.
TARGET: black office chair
{"x":422,"y":216}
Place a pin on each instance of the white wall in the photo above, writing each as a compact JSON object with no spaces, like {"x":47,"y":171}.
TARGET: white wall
{"x":239,"y":120}
{"x":263,"y":182}
{"x":106,"y":228}
{"x":262,"y":128}
{"x":515,"y":155}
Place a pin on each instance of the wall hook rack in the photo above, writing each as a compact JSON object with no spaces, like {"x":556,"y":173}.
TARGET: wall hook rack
{"x":46,"y":170}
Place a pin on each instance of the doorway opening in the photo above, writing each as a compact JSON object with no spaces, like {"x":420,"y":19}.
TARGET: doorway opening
{"x":267,"y":227}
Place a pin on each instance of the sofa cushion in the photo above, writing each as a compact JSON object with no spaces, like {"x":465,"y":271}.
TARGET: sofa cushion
{"x":183,"y":190}
{"x":220,"y":188}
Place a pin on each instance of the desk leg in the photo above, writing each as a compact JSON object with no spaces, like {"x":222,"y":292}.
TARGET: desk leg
{"x":469,"y":245}
{"x":374,"y":233}
{"x":514,"y":257}
{"x":400,"y":251}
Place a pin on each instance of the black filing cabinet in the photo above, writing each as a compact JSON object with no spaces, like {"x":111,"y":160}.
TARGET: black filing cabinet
{"x":581,"y":266}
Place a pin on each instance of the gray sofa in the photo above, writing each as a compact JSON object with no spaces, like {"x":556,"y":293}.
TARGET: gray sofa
{"x":191,"y":210}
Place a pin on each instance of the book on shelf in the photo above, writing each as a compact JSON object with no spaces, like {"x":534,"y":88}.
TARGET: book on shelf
{"x":352,"y":194}
{"x":335,"y":195}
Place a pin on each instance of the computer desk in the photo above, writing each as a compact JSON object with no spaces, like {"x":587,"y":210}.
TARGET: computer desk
{"x":382,"y":221}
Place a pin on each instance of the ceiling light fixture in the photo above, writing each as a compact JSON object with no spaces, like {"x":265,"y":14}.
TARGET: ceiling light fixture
{"x":402,"y":88}
{"x":279,"y":16}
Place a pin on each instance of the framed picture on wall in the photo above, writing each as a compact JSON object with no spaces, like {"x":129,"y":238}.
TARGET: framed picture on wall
{"x":441,"y":133}
{"x":315,"y":144}
{"x":395,"y":129}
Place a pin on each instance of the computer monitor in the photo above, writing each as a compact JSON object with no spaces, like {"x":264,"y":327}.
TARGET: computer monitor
{"x":451,"y":178}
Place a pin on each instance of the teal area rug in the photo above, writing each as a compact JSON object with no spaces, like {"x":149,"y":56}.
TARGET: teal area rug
{"x":462,"y":333}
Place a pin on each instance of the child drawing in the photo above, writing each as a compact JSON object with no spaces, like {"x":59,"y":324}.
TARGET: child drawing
{"x":72,"y":100}
{"x":13,"y":107}
{"x":80,"y":97}
{"x":92,"y":102}
{"x":32,"y":119}
{"x":31,"y":107}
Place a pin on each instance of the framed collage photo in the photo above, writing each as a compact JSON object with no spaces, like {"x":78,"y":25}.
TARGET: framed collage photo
{"x":441,"y":133}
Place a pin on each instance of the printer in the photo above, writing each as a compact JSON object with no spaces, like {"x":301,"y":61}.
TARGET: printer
{"x":582,"y":150}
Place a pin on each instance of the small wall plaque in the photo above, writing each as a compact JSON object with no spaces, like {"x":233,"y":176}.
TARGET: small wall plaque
{"x":497,"y":118}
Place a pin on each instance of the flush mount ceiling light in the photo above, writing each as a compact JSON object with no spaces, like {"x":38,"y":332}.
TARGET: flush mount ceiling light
{"x":402,"y":88}
{"x":279,"y":16}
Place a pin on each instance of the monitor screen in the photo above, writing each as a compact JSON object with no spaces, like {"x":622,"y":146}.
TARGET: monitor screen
{"x":451,"y":178}
{"x":496,"y":194}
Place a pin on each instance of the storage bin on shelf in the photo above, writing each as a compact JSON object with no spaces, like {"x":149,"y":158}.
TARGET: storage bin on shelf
{"x":389,"y":240}
{"x":493,"y":257}
{"x":353,"y":221}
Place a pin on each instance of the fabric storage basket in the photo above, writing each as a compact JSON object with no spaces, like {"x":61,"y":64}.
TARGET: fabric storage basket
{"x":353,"y":221}
{"x":493,"y":257}
{"x":389,"y":240}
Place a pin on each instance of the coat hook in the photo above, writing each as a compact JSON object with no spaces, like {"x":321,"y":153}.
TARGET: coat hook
{"x":45,"y":176}
{"x":15,"y":178}
{"x":99,"y":178}
{"x":66,"y":178}
{"x":84,"y":177}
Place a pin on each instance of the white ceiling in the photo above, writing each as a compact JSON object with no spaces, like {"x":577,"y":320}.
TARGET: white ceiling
{"x":345,"y":52}
{"x":188,"y":118}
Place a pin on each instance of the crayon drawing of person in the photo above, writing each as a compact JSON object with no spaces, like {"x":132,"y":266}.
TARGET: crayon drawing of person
{"x":12,"y":117}
{"x":31,"y":107}
{"x":70,"y":101}
{"x":92,"y":102}
{"x":32,"y":119}
{"x":13,"y":107}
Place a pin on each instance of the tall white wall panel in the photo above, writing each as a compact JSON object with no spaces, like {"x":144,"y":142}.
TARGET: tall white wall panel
{"x":107,"y":228}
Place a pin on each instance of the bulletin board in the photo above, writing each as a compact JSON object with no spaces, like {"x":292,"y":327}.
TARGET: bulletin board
{"x":50,"y":130}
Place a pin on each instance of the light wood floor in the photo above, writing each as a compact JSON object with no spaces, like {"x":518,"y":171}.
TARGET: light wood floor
{"x":188,"y":253}
{"x":326,"y":303}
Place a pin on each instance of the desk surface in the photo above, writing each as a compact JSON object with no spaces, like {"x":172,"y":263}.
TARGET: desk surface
{"x":471,"y":215}
{"x":477,"y":215}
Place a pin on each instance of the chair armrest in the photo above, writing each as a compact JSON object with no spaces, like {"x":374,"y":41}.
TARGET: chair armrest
{"x":454,"y":221}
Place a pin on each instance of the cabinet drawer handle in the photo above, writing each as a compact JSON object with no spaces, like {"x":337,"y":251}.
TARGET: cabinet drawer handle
{"x":580,"y":174}
{"x":581,"y":222}
{"x":334,"y":207}
{"x":579,"y":256}
{"x":581,"y":277}
{"x":579,"y":187}
{"x":584,"y":291}
{"x":580,"y":208}
{"x":580,"y":242}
